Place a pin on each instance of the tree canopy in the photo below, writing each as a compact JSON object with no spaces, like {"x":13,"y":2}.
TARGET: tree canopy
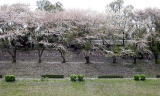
{"x":122,"y":30}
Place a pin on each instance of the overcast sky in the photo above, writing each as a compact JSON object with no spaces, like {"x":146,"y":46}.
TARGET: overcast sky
{"x":97,"y":5}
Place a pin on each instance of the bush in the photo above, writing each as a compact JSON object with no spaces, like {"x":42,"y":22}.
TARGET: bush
{"x":80,"y":77}
{"x":1,"y":76}
{"x":44,"y":78}
{"x":110,"y":76}
{"x":10,"y":78}
{"x":142,"y":77}
{"x":136,"y":77}
{"x":158,"y":76}
{"x":73,"y":77}
{"x":158,"y":61}
{"x":53,"y":76}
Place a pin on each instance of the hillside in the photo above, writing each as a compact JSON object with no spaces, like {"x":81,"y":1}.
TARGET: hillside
{"x":32,"y":69}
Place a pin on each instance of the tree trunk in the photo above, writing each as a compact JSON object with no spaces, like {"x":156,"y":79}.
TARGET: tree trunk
{"x":39,"y":56}
{"x":39,"y":59}
{"x":156,"y":58}
{"x":123,"y":40}
{"x":40,"y":52}
{"x":134,"y":60}
{"x":62,"y":56}
{"x":13,"y":59}
{"x":114,"y":59}
{"x":14,"y":56}
{"x":64,"y":59}
{"x":87,"y":59}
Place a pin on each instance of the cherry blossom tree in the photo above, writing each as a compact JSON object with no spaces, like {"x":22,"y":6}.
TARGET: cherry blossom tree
{"x":82,"y":29}
{"x":12,"y":29}
{"x":153,"y":35}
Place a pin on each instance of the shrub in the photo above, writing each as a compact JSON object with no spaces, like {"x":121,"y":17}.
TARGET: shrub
{"x":158,"y":76}
{"x":1,"y":76}
{"x":10,"y":78}
{"x":52,"y":76}
{"x":142,"y":77}
{"x":44,"y":78}
{"x":136,"y":77}
{"x":73,"y":77}
{"x":158,"y":61}
{"x":110,"y":76}
{"x":80,"y":77}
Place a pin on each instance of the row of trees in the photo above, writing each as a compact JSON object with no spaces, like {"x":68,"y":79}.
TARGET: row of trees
{"x":120,"y":32}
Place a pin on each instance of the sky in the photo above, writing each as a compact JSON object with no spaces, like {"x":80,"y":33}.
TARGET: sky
{"x":96,"y":5}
